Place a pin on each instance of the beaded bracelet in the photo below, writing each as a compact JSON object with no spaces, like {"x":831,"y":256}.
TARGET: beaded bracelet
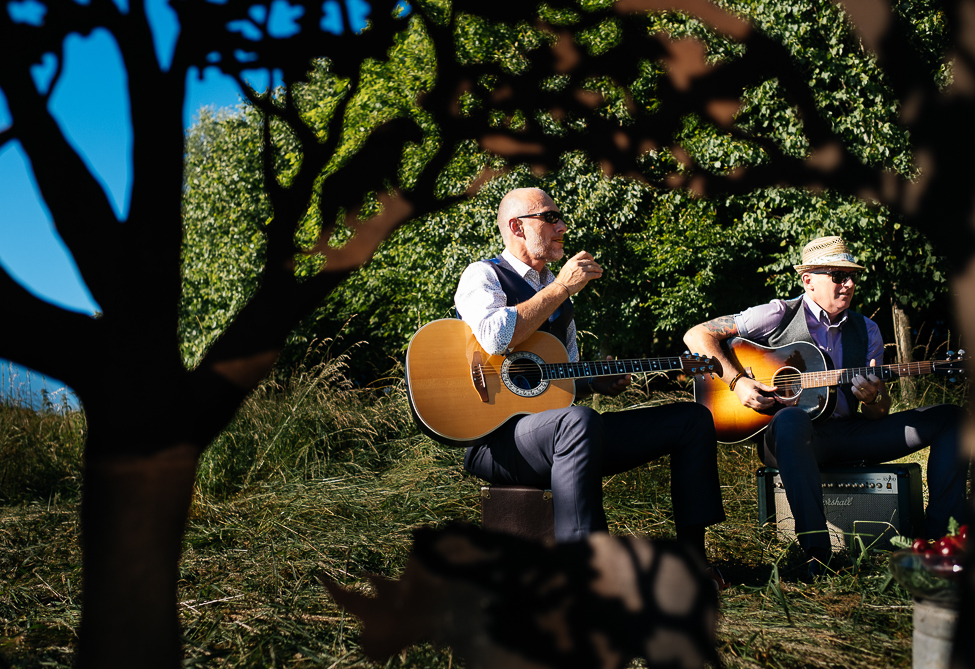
{"x":731,"y":386}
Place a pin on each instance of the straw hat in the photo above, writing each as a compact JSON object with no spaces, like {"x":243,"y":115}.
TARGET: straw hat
{"x":826,"y":252}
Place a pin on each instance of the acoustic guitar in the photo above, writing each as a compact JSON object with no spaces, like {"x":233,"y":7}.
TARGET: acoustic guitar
{"x":804,"y":377}
{"x":459,"y":394}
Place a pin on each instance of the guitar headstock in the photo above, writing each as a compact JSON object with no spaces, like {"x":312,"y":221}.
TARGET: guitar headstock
{"x":953,"y":366}
{"x":697,"y":364}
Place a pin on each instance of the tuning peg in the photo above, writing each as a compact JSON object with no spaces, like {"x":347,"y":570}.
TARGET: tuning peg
{"x":951,"y":354}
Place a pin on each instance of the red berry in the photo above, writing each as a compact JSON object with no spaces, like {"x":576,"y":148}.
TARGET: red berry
{"x":920,"y":546}
{"x":946,"y":546}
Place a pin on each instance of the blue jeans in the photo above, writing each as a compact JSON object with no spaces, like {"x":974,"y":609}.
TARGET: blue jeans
{"x":797,"y":447}
{"x":571,"y":450}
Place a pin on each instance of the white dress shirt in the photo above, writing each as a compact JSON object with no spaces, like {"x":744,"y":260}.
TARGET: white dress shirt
{"x":482,"y":304}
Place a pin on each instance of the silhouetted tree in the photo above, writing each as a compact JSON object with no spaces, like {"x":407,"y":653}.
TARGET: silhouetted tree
{"x":533,"y":90}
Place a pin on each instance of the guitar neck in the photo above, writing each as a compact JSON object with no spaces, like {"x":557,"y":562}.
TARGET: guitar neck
{"x":836,"y":377}
{"x":582,"y":370}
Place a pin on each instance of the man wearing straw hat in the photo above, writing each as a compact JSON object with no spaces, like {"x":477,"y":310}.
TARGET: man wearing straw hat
{"x":861,"y":427}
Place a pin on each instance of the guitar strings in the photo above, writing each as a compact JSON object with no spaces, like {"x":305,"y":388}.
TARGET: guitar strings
{"x":924,"y":366}
{"x":663,"y":363}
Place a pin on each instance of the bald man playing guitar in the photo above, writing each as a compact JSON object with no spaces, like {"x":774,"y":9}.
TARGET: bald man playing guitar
{"x":505,"y":300}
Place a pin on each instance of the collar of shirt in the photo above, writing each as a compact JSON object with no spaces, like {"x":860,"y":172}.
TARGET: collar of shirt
{"x":526,"y":271}
{"x":820,"y":315}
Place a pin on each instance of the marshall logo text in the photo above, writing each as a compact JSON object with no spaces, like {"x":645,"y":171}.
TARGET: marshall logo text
{"x":836,"y":501}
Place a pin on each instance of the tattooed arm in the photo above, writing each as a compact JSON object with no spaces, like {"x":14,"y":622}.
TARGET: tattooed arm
{"x":706,"y":338}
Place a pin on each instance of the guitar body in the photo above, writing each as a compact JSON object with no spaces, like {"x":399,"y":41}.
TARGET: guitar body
{"x":734,"y":422}
{"x":446,"y":403}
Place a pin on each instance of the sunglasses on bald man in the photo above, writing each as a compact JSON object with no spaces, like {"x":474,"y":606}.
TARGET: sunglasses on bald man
{"x":552,"y":217}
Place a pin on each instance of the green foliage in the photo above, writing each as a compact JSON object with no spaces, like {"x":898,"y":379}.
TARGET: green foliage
{"x":224,"y":207}
{"x":848,"y":87}
{"x":672,"y":260}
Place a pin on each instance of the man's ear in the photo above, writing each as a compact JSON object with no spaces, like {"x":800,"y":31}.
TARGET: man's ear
{"x":806,"y":279}
{"x":515,"y":227}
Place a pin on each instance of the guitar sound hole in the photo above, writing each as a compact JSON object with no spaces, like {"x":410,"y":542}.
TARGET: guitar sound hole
{"x":522,"y":374}
{"x":788,"y":380}
{"x":525,"y":375}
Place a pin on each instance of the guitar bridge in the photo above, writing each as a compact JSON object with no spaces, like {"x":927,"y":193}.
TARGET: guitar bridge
{"x":477,"y":376}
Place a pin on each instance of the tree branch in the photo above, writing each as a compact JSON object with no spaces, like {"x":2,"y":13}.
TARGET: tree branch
{"x":38,"y":339}
{"x":79,"y":207}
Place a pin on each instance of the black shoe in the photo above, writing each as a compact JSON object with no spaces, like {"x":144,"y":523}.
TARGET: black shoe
{"x":815,"y":568}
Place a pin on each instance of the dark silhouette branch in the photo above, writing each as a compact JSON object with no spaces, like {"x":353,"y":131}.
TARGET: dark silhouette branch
{"x":39,"y":342}
{"x":78,"y":205}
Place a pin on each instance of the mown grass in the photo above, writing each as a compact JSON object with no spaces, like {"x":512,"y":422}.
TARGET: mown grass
{"x":316,"y":478}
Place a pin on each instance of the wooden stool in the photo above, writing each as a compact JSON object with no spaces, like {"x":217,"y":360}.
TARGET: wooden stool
{"x":519,"y":510}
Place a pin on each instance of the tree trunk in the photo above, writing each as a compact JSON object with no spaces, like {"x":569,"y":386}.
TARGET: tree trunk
{"x":905,"y":347}
{"x":133,"y":513}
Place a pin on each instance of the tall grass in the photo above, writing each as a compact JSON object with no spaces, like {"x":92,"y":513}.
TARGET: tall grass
{"x":40,"y":453}
{"x":312,"y":425}
{"x":317,"y":478}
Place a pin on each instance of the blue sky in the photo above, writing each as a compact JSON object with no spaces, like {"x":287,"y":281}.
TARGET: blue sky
{"x":90,"y":104}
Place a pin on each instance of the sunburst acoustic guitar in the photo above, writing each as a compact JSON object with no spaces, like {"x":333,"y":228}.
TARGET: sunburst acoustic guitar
{"x":460,"y":394}
{"x":805,"y":377}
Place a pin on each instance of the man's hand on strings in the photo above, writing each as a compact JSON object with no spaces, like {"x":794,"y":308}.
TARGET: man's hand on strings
{"x":750,"y":393}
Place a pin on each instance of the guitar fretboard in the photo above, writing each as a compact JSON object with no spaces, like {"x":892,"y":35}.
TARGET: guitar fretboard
{"x":837,"y":377}
{"x":580,"y":370}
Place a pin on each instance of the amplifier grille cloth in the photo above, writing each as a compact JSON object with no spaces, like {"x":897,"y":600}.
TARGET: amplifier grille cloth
{"x":868,"y":502}
{"x":845,"y":519}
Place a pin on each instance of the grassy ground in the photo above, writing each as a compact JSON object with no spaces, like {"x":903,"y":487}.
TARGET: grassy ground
{"x":316,"y":478}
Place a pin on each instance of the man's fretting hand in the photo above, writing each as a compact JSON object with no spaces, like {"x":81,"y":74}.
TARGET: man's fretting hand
{"x":579,"y":270}
{"x":611,"y":385}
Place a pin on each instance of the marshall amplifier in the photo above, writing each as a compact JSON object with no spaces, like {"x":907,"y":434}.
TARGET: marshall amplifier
{"x":874,"y":502}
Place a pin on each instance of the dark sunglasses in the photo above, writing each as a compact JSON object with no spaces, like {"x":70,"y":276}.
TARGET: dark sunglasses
{"x":552,"y":217}
{"x":839,"y":276}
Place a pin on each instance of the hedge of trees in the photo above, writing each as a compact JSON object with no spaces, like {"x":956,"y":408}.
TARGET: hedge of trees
{"x":673,"y":259}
